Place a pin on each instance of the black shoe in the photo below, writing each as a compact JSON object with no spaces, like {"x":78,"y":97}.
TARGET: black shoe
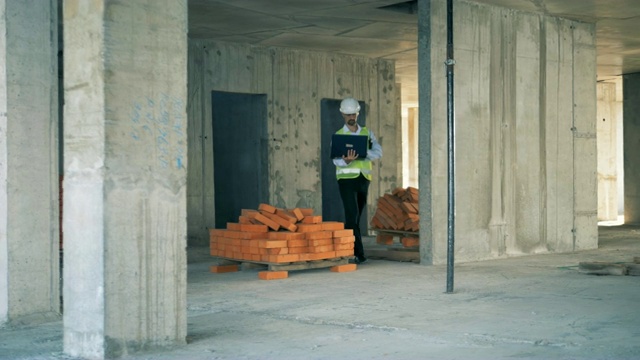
{"x":360,"y":260}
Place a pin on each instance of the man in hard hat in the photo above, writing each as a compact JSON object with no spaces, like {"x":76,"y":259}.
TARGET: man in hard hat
{"x":354,"y":173}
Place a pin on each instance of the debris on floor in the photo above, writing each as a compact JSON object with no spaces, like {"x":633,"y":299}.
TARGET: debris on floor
{"x":611,"y":268}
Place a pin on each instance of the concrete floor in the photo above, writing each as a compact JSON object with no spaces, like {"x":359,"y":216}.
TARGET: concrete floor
{"x":535,"y":307}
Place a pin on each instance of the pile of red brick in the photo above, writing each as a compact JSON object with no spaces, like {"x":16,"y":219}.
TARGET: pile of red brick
{"x":398,"y":211}
{"x":274,"y":235}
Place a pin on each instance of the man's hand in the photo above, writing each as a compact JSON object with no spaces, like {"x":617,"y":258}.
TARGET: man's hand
{"x":351,"y":155}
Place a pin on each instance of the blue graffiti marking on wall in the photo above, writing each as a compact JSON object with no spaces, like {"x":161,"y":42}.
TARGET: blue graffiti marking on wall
{"x":161,"y":121}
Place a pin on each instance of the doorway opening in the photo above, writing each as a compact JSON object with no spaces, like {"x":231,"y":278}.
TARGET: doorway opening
{"x":610,"y":152}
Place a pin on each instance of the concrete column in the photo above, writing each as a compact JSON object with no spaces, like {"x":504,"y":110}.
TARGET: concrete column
{"x":585,"y":150}
{"x":607,"y":124}
{"x":525,"y":161}
{"x":125,"y":175}
{"x":631,"y":126}
{"x":425,"y":173}
{"x":29,"y":248}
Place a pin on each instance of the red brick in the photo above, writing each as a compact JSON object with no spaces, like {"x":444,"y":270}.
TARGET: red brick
{"x":266,"y":221}
{"x":298,"y":214}
{"x":344,"y":239}
{"x":312,"y":219}
{"x":321,"y":248}
{"x":297,"y":243}
{"x":344,"y":268}
{"x":238,"y":243}
{"x":306,"y":211}
{"x":256,"y":257}
{"x":309,"y":227}
{"x":250,"y":213}
{"x":319,"y":235}
{"x":233,"y":226}
{"x":286,"y":215}
{"x":268,"y":244}
{"x":273,"y":275}
{"x":343,"y":232}
{"x":267,"y":208}
{"x":217,"y":232}
{"x":375,"y":222}
{"x":299,"y":250}
{"x":223,"y":268}
{"x":254,"y":250}
{"x":349,"y":246}
{"x":332,"y":225}
{"x":410,"y":241}
{"x":279,"y":220}
{"x":245,"y":220}
{"x":254,"y":228}
{"x":320,"y":242}
{"x":285,"y":235}
{"x":277,"y":251}
{"x":250,"y":235}
{"x":384,"y":239}
{"x":223,"y":240}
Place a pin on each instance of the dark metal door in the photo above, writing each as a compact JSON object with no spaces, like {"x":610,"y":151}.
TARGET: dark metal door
{"x":240,"y":161}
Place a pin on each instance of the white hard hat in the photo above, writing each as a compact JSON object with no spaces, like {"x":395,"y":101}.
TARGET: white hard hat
{"x":349,"y":106}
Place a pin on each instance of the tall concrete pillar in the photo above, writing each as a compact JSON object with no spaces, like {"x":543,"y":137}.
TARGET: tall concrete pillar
{"x":631,"y":129}
{"x":29,"y":248}
{"x":125,"y":176}
{"x":425,"y":119}
{"x":525,"y":144}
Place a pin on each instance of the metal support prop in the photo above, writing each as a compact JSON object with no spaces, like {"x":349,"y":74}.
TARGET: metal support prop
{"x":451,"y":147}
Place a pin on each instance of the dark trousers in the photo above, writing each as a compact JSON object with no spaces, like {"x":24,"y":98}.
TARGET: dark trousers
{"x":354,"y":199}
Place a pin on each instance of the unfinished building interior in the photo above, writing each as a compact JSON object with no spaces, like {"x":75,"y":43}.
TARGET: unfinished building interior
{"x":129,"y":129}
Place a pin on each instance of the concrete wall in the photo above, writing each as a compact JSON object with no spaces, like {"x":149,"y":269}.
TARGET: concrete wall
{"x":29,"y":247}
{"x":125,"y":176}
{"x":631,"y":114}
{"x":295,"y":82}
{"x":525,"y":133}
{"x":607,"y":127}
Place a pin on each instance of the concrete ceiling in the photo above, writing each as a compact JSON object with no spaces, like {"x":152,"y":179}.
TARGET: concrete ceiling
{"x":364,"y":28}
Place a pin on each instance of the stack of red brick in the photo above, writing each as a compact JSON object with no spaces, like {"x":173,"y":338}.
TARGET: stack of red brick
{"x":398,"y":211}
{"x":275,"y":235}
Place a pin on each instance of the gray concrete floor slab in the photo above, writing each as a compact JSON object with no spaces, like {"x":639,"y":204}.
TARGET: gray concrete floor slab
{"x":533,"y":307}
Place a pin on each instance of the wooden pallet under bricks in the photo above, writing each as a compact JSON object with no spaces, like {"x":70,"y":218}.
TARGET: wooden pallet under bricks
{"x":396,"y":223}
{"x":282,"y":240}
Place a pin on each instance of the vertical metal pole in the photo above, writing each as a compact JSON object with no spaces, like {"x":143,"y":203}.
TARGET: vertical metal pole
{"x":451,"y":147}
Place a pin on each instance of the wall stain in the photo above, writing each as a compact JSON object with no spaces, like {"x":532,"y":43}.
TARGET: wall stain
{"x":305,"y":198}
{"x":278,"y":180}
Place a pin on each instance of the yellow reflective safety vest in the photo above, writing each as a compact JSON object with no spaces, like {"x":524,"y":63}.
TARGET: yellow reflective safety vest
{"x":356,"y":167}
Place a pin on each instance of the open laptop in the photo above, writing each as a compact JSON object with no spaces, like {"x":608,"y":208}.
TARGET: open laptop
{"x":341,"y":143}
